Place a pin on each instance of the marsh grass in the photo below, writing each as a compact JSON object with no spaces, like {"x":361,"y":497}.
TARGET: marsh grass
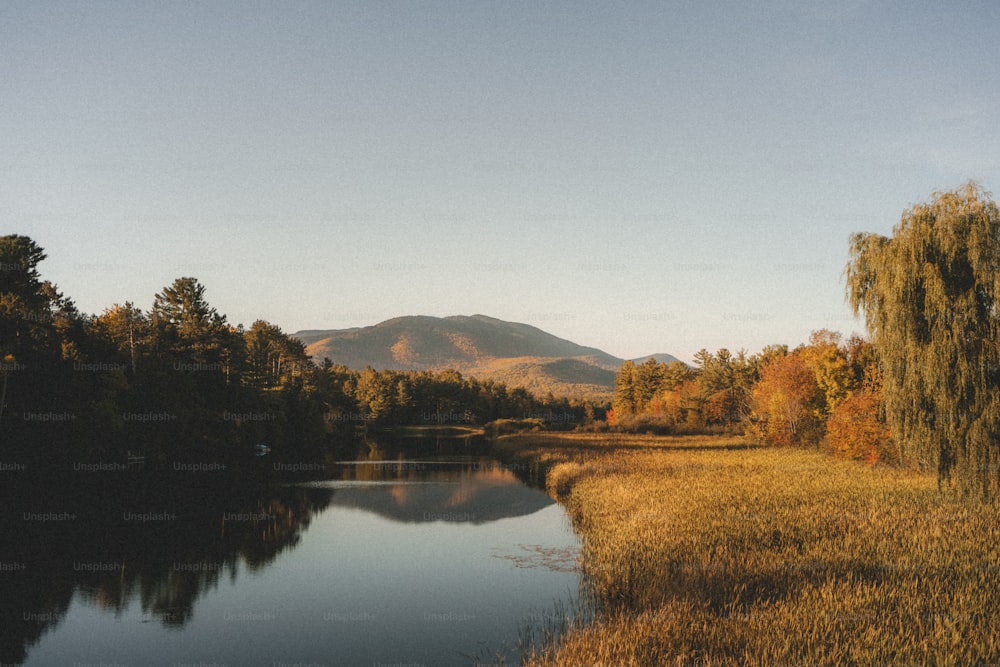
{"x":707,"y":551}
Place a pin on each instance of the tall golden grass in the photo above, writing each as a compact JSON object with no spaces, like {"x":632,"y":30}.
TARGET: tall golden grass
{"x":707,"y":551}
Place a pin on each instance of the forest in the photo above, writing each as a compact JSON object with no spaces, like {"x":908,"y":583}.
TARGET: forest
{"x":826,"y":392}
{"x":179,"y":383}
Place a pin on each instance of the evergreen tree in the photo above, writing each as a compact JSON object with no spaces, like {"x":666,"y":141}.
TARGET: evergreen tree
{"x":624,"y":403}
{"x":28,"y":305}
{"x":273,"y":358}
{"x":649,"y":382}
{"x":187,"y":325}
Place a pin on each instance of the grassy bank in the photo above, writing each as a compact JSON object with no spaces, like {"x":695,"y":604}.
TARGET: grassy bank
{"x":704,"y":551}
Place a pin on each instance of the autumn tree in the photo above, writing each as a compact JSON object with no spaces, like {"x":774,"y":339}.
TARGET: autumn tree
{"x":746,"y":372}
{"x":829,"y":364}
{"x":857,"y":430}
{"x":655,"y":396}
{"x":786,"y":401}
{"x":128,"y":328}
{"x":929,"y":294}
{"x":856,"y":427}
{"x":625,"y":403}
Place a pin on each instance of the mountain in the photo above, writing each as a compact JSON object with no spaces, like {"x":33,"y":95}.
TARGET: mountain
{"x":517,"y":354}
{"x":660,"y":358}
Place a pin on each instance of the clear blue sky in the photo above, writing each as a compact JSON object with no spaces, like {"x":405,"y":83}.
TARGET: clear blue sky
{"x":640,"y":177}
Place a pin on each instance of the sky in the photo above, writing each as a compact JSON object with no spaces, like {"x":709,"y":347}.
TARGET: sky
{"x":641,"y":177}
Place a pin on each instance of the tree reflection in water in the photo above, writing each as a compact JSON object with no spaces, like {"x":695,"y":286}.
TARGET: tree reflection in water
{"x":160,"y":545}
{"x":153,"y":546}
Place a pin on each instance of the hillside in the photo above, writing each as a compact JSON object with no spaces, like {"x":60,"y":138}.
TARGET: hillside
{"x":517,"y":354}
{"x":661,"y":358}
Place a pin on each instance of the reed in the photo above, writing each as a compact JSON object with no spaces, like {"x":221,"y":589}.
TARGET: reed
{"x":709,"y":551}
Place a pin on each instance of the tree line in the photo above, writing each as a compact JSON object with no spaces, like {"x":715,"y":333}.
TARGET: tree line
{"x":825,"y":392}
{"x":179,"y":382}
{"x":923,"y":390}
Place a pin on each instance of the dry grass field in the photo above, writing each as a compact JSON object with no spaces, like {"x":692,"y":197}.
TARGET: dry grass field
{"x":708,"y":551}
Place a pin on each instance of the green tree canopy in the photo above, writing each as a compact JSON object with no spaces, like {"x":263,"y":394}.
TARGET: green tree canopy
{"x":182,"y":305}
{"x":273,"y":357}
{"x":25,"y":301}
{"x":930,"y":296}
{"x":19,"y":260}
{"x":185,"y":324}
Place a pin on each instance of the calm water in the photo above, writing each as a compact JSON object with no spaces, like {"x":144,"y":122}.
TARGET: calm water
{"x":425,"y":560}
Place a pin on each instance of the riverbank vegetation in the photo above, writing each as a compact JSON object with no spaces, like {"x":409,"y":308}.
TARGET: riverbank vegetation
{"x":712,"y":550}
{"x":824,"y":395}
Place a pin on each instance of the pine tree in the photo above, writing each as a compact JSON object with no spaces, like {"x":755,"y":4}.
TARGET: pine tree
{"x":624,"y":401}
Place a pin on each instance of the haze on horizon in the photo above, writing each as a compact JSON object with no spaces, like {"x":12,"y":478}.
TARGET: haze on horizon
{"x":637,"y":177}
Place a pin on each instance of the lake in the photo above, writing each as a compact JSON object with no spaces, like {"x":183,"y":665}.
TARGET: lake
{"x":425,"y":556}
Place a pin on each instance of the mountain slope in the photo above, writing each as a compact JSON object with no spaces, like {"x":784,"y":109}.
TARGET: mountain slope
{"x":517,"y":354}
{"x":660,"y":358}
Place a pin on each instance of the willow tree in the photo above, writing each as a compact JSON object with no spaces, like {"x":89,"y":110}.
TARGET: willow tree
{"x":929,"y":295}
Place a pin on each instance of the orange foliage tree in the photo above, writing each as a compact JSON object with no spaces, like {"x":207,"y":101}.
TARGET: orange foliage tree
{"x":786,"y":403}
{"x":856,"y":429}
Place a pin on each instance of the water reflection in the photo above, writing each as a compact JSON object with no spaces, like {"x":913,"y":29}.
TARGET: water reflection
{"x":111,"y":556}
{"x":427,"y":559}
{"x":471,"y":490}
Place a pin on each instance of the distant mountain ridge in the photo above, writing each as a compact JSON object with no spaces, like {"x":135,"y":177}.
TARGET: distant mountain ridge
{"x":517,"y":354}
{"x":661,"y":357}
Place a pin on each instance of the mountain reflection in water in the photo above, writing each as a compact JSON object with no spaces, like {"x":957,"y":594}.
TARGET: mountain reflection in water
{"x":468,"y":491}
